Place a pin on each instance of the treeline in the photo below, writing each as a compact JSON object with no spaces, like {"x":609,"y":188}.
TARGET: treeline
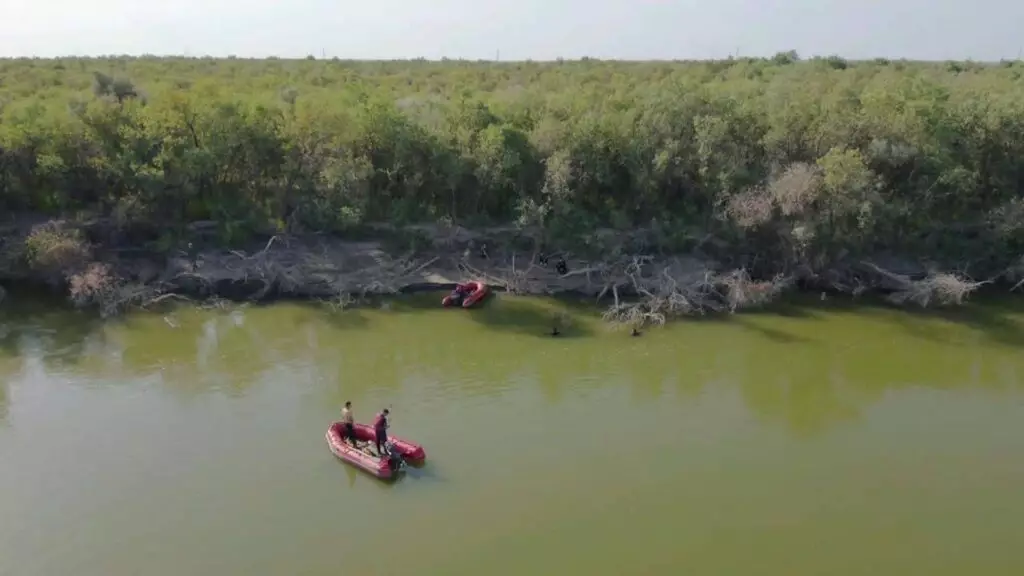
{"x":778,"y":160}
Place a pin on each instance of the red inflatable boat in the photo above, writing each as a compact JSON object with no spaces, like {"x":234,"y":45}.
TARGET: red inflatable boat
{"x":474,"y":292}
{"x":362,"y":458}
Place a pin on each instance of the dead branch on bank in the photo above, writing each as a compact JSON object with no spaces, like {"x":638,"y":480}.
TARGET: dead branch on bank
{"x":327,"y":272}
{"x":277,"y":268}
{"x":840,"y":279}
{"x":1015,"y":273}
{"x":684,"y":288}
{"x":743,"y":292}
{"x":518,"y":276}
{"x":280,"y":269}
{"x":163,"y":297}
{"x":341,"y":302}
{"x":98,"y":285}
{"x":657,"y":291}
{"x":388,"y":277}
{"x":941,"y":288}
{"x":215,"y":303}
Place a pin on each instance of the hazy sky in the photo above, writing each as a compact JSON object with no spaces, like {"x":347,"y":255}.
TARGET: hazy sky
{"x":520,"y":29}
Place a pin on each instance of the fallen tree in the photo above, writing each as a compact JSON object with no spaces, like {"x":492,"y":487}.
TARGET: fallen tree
{"x":684,"y":288}
{"x":941,"y":288}
{"x":644,"y":290}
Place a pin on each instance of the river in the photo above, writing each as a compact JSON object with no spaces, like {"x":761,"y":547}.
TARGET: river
{"x":829,"y":440}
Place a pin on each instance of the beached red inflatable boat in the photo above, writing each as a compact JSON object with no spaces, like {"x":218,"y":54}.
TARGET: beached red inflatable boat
{"x":379,"y":467}
{"x":475,"y":292}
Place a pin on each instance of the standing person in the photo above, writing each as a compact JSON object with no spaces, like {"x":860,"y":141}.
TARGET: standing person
{"x":349,"y":422}
{"x":380,"y":429}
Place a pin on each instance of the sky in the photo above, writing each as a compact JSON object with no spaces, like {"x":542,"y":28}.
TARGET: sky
{"x":516,"y":29}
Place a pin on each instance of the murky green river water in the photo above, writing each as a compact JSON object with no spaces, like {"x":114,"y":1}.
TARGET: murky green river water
{"x":808,"y":441}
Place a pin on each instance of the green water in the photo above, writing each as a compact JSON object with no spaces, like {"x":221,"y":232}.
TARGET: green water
{"x":805,"y":441}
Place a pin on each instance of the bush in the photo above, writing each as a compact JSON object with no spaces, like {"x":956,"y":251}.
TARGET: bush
{"x":51,"y":247}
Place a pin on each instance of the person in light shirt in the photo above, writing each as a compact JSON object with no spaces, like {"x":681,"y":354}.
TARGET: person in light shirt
{"x":349,"y":422}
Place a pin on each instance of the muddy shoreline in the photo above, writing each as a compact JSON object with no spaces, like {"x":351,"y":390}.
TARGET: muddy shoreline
{"x":94,"y":269}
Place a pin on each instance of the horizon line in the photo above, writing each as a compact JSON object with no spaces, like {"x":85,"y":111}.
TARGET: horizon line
{"x":444,"y":59}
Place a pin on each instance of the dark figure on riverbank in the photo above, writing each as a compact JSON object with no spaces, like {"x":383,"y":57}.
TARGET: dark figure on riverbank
{"x":562,"y":267}
{"x":635,"y":332}
{"x":380,"y":428}
{"x":349,"y":422}
{"x":192,"y":255}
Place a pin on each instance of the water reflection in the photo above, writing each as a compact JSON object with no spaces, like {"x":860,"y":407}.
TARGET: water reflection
{"x":807,"y":369}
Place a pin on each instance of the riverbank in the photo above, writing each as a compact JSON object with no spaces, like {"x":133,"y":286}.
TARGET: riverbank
{"x":95,"y":266}
{"x":686,"y":188}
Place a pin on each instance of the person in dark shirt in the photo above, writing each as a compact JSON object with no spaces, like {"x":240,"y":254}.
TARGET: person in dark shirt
{"x":458,"y":295}
{"x":380,"y":428}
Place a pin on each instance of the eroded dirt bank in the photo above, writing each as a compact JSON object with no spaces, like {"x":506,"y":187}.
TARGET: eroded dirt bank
{"x":638,"y":286}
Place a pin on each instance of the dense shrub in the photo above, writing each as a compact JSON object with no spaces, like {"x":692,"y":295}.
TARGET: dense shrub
{"x":793,"y":161}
